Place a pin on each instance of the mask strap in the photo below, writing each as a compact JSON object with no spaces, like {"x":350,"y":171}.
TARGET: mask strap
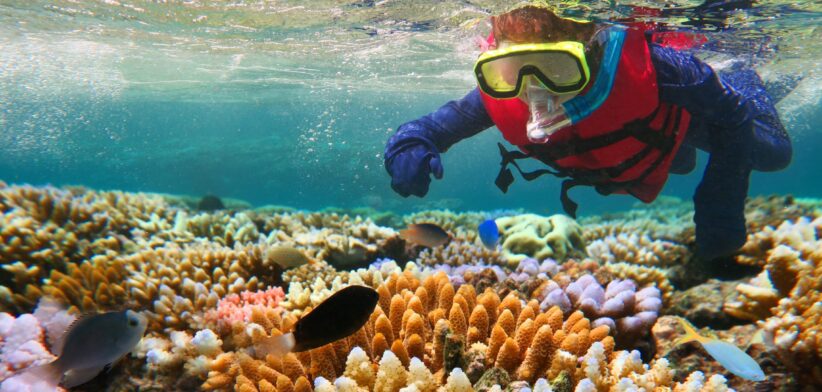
{"x":582,"y":106}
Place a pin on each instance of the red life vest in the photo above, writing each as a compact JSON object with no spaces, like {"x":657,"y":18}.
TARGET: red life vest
{"x":625,"y":146}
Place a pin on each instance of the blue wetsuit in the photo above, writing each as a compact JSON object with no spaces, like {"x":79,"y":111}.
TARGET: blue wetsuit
{"x":733,"y":119}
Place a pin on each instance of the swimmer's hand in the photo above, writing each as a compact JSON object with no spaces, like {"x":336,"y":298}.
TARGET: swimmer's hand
{"x":410,"y":161}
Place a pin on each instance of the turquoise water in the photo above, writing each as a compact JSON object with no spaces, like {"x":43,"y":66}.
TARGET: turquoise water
{"x":291,"y":104}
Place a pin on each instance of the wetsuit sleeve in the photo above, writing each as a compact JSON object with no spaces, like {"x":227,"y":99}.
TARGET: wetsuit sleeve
{"x":719,"y":200}
{"x":413,"y":152}
{"x":454,"y":121}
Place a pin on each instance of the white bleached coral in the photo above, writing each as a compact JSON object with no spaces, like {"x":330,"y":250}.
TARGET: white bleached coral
{"x":627,"y":372}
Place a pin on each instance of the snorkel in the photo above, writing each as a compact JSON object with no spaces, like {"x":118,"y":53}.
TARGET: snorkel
{"x":549,"y":116}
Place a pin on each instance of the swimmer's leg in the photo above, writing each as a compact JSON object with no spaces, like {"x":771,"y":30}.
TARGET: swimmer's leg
{"x":772,"y":148}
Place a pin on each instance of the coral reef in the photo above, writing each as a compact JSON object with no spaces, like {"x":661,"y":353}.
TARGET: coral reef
{"x":530,"y":235}
{"x":626,"y":311}
{"x":667,"y":218}
{"x":536,"y":313}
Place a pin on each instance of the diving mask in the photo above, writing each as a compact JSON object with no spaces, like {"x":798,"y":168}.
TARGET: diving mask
{"x":560,"y":67}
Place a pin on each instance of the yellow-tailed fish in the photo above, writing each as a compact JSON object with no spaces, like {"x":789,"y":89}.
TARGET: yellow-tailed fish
{"x":425,"y":234}
{"x":727,"y":354}
{"x":89,"y":345}
{"x":339,"y":316}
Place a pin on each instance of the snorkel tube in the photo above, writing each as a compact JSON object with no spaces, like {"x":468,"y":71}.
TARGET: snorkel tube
{"x":547,"y":117}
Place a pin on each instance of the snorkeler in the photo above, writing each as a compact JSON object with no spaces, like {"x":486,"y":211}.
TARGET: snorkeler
{"x":602,"y":106}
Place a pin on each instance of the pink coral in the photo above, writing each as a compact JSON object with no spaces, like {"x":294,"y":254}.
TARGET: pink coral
{"x":23,"y":346}
{"x":237,"y":308}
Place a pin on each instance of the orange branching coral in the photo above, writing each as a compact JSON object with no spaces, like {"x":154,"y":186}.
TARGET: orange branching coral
{"x":444,"y":330}
{"x":49,"y":229}
{"x":789,"y":251}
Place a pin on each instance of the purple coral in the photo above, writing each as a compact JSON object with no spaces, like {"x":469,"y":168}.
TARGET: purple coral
{"x":627,"y":312}
{"x":530,"y":268}
{"x":457,"y":274}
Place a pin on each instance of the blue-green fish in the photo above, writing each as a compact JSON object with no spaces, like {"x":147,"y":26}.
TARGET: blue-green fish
{"x":728,"y":355}
{"x":90,"y":345}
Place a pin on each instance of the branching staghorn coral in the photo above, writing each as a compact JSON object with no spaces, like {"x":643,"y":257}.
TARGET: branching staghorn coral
{"x":459,"y":252}
{"x":48,"y":229}
{"x":667,"y":218}
{"x":638,"y":249}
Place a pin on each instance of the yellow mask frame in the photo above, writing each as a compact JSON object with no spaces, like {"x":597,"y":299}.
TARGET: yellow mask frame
{"x":559,"y":66}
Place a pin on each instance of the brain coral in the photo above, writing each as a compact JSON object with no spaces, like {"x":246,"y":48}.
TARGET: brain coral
{"x":531,"y":235}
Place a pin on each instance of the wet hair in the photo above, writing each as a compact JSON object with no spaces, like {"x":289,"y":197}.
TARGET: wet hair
{"x":538,"y":24}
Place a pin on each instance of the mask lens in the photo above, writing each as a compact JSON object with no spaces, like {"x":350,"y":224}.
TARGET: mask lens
{"x":558,"y":70}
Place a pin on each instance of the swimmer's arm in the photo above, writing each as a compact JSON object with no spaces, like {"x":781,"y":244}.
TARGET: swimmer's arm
{"x":454,"y":121}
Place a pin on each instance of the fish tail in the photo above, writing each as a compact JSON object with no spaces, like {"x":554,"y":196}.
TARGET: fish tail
{"x":275,"y":345}
{"x":690,"y":333}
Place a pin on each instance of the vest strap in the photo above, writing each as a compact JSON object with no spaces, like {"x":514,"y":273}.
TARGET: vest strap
{"x":505,"y":178}
{"x":599,"y":179}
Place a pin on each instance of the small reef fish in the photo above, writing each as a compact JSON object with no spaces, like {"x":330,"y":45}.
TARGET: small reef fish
{"x":210,"y":203}
{"x":489,"y":233}
{"x":425,"y":234}
{"x":91,"y":344}
{"x":339,"y":316}
{"x":287,"y":256}
{"x":728,"y":355}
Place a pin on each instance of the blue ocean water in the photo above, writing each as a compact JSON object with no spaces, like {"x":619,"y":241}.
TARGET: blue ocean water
{"x":211,"y":100}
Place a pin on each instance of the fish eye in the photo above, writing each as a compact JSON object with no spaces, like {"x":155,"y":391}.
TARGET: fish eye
{"x":132,"y":322}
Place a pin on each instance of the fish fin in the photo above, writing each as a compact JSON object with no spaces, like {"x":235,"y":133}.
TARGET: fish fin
{"x":690,"y":333}
{"x":60,"y":341}
{"x":275,"y":345}
{"x":75,"y":377}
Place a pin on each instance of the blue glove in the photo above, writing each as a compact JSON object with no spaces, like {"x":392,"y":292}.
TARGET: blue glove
{"x":413,"y":152}
{"x":409,"y":161}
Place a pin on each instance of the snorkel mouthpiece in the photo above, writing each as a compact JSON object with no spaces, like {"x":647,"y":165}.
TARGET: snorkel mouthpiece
{"x":547,"y":115}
